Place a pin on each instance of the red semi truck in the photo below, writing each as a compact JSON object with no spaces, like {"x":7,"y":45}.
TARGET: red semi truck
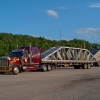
{"x":31,"y":58}
{"x":24,"y":58}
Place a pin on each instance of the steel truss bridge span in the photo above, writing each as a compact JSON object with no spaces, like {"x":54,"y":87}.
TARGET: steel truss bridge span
{"x":68,"y":55}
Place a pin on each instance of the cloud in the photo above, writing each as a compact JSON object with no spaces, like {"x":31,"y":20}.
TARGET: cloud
{"x":52,"y":13}
{"x":89,"y":31}
{"x":95,"y":5}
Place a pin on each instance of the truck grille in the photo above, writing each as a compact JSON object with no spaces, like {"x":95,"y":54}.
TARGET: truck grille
{"x":3,"y":62}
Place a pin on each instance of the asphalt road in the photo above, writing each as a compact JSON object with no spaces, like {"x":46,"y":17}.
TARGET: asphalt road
{"x":59,"y":84}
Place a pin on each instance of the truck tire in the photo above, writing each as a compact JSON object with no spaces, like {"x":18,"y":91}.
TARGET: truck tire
{"x":76,"y":67}
{"x":44,"y":68}
{"x":89,"y":66}
{"x":55,"y":66}
{"x":49,"y":68}
{"x":15,"y":70}
{"x":85,"y":66}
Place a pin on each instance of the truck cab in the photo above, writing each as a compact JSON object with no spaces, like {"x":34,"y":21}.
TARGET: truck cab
{"x":24,"y":58}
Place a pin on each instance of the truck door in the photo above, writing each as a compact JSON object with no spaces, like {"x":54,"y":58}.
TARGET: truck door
{"x":36,"y":57}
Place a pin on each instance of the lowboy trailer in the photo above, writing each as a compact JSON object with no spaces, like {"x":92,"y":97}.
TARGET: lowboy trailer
{"x":31,"y":58}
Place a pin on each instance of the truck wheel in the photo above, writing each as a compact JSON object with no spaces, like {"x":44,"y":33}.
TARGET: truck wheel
{"x":89,"y":66}
{"x":44,"y":68}
{"x":15,"y":70}
{"x":49,"y":68}
{"x":76,"y":67}
{"x":85,"y":66}
{"x":54,"y":66}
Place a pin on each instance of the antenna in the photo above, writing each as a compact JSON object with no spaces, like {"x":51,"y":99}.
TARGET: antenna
{"x":84,"y":44}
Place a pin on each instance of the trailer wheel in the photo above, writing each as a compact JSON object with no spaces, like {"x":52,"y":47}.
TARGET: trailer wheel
{"x":44,"y":68}
{"x":76,"y":67}
{"x":56,"y":65}
{"x":15,"y":70}
{"x":89,"y":66}
{"x":85,"y":66}
{"x":49,"y":68}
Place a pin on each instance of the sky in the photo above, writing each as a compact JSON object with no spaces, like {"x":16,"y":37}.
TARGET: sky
{"x":52,"y":19}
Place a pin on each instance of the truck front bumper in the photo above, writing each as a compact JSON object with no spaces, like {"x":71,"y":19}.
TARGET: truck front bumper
{"x":5,"y":69}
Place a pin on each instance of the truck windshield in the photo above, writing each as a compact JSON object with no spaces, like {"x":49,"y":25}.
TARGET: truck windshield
{"x":16,"y":54}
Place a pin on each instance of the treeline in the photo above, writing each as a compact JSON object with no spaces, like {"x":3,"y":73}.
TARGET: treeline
{"x":9,"y":41}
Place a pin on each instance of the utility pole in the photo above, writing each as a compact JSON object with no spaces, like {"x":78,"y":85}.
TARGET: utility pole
{"x":60,"y":38}
{"x":84,"y":44}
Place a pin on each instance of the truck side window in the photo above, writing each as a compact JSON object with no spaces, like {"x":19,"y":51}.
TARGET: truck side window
{"x":25,"y":54}
{"x":35,"y":50}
